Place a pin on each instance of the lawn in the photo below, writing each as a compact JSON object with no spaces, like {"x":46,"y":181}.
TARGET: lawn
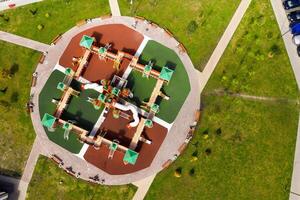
{"x":179,"y":86}
{"x":50,"y":182}
{"x":197,"y":24}
{"x":17,"y":134}
{"x":55,"y":16}
{"x":250,"y":146}
{"x":252,"y":149}
{"x":256,"y":61}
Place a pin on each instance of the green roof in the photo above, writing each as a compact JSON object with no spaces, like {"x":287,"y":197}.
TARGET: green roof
{"x":86,"y":41}
{"x":130,"y":156}
{"x":48,"y":120}
{"x":102,"y":50}
{"x":102,"y":98}
{"x":68,"y":71}
{"x":166,"y":74}
{"x":149,"y":123}
{"x":67,"y":126}
{"x":113,"y":146}
{"x":61,"y":86}
{"x":115,"y":91}
{"x":155,"y":108}
{"x":147,"y":68}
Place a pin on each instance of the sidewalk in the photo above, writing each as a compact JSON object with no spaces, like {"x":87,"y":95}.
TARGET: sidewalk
{"x":5,"y":5}
{"x":29,"y":168}
{"x":114,"y":7}
{"x":143,"y":187}
{"x":8,"y":37}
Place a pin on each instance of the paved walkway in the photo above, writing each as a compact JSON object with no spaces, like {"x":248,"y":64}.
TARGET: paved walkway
{"x":223,"y":43}
{"x":8,"y":37}
{"x":36,"y":150}
{"x":143,"y":187}
{"x":4,"y":5}
{"x":114,"y":7}
{"x":295,"y":60}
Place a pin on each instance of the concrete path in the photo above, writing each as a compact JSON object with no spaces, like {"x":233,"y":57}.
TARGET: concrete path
{"x":143,"y":187}
{"x":114,"y":7}
{"x":295,"y":62}
{"x":5,"y":5}
{"x":36,"y":150}
{"x":8,"y":37}
{"x":223,"y":43}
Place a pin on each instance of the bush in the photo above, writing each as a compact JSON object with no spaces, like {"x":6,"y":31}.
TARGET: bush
{"x":219,"y":131}
{"x":14,"y":97}
{"x":178,"y":172}
{"x":192,"y":26}
{"x":40,"y":27}
{"x":33,"y":11}
{"x":208,"y":151}
{"x":192,"y":172}
{"x":14,"y":68}
{"x":275,"y":49}
{"x":194,"y":156}
{"x":3,"y":90}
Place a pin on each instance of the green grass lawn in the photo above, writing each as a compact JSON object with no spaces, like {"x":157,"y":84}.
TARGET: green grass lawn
{"x":197,"y":24}
{"x":256,"y":61}
{"x":50,"y":182}
{"x":179,"y":86}
{"x":56,"y":17}
{"x":251,"y":143}
{"x":17,"y":134}
{"x":251,"y":158}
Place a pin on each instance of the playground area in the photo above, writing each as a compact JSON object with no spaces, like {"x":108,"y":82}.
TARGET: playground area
{"x":103,"y":103}
{"x":117,"y":130}
{"x":120,"y":37}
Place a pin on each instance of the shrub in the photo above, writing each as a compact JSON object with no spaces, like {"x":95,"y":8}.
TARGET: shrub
{"x":192,"y":172}
{"x":14,"y":97}
{"x":275,"y":49}
{"x":14,"y":68}
{"x":208,"y":151}
{"x":33,"y":11}
{"x":6,"y":18}
{"x":194,"y":156}
{"x":178,"y":172}
{"x":40,"y":27}
{"x":192,"y":26}
{"x":3,"y":90}
{"x":219,"y":131}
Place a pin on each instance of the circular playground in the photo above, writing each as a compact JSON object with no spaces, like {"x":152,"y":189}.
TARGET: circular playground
{"x":116,"y":100}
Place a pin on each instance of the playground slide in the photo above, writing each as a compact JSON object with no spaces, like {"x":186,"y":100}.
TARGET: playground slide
{"x":133,"y":110}
{"x":93,"y":86}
